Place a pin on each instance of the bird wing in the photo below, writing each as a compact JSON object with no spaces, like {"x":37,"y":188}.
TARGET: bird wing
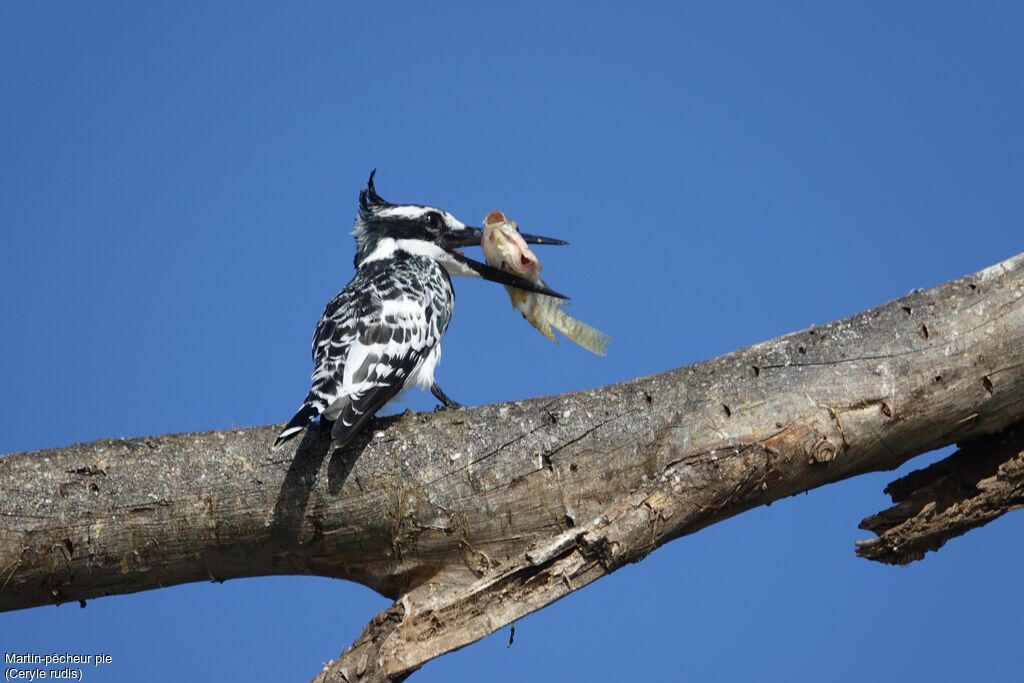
{"x":369,"y":346}
{"x":379,"y":335}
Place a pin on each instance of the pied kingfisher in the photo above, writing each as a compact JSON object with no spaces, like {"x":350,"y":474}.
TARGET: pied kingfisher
{"x":382,"y":333}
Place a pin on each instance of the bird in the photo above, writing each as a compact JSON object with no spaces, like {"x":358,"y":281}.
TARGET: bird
{"x":381,"y":334}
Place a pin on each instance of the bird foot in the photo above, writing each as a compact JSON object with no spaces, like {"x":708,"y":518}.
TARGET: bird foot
{"x":446,"y":401}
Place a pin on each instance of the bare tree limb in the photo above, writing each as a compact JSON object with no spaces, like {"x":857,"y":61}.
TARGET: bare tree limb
{"x":470,"y":519}
{"x":979,"y":483}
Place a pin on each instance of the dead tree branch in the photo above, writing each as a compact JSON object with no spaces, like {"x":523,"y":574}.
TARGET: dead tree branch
{"x":979,"y":483}
{"x":470,"y":519}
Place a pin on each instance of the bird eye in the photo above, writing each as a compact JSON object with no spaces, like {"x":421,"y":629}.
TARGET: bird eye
{"x":434,"y":222}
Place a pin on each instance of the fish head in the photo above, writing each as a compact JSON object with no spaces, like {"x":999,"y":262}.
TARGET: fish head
{"x":505,"y":248}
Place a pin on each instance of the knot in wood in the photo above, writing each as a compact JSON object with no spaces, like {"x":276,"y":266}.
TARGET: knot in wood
{"x":824,"y":451}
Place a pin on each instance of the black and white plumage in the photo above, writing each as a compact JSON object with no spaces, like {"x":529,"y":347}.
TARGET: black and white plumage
{"x":382,"y":333}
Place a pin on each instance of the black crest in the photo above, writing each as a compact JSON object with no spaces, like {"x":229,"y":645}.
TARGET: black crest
{"x":369,"y":199}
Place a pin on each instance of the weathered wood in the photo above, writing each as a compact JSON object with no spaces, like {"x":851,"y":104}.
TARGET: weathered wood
{"x":979,"y":483}
{"x":472,"y":518}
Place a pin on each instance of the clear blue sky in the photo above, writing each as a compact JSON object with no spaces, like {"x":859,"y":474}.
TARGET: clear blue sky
{"x":177,"y":188}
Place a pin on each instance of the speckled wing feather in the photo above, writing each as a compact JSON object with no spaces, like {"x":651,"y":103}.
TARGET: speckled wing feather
{"x":373,"y":340}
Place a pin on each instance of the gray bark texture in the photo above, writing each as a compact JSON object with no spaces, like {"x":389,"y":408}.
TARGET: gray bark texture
{"x":470,"y":519}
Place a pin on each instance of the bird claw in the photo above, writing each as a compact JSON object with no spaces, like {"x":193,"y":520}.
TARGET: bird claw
{"x":446,"y":401}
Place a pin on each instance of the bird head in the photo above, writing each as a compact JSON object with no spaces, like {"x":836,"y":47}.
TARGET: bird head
{"x":383,"y":228}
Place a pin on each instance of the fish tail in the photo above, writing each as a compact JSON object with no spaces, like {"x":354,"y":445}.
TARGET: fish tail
{"x":590,"y":338}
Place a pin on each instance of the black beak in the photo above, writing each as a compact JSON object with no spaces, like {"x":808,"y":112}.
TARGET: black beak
{"x":494,"y":275}
{"x":470,"y":237}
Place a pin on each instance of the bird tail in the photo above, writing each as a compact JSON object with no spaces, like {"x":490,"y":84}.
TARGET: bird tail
{"x":311,"y":408}
{"x":354,"y":416}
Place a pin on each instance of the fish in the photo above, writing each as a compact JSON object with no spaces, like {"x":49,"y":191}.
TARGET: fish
{"x":505,"y":249}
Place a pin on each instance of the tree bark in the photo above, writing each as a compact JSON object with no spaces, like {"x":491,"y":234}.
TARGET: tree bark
{"x":472,"y":518}
{"x":979,"y":483}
